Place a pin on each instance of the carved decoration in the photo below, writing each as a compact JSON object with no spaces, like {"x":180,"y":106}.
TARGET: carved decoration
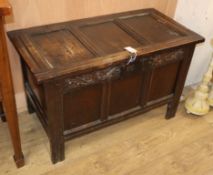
{"x":91,"y":78}
{"x":165,"y":58}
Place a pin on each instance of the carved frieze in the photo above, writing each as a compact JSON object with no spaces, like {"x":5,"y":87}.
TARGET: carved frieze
{"x":91,"y":78}
{"x":165,"y":58}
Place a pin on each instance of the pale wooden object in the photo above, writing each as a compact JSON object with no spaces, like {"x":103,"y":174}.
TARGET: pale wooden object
{"x":210,"y":99}
{"x":6,"y":88}
{"x":198,"y":103}
{"x":27,"y":13}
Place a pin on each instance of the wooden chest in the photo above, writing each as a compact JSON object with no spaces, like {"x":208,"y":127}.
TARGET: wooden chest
{"x":79,"y":78}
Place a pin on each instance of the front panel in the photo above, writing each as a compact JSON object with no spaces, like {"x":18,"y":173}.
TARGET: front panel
{"x":82,"y":106}
{"x":126,"y":92}
{"x":163,"y":70}
{"x":163,"y":81}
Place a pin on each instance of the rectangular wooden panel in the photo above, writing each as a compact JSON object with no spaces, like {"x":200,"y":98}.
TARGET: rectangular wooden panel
{"x":82,"y":106}
{"x":126,"y":92}
{"x":108,"y":37}
{"x":151,"y":28}
{"x":163,"y":81}
{"x":57,"y":48}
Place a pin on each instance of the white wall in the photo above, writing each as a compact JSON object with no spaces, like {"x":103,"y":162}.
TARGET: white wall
{"x":198,"y":16}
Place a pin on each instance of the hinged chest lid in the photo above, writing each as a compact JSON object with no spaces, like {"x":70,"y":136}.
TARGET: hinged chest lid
{"x":55,"y":50}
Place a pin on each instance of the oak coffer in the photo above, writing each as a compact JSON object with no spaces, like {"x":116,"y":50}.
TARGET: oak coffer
{"x":79,"y":76}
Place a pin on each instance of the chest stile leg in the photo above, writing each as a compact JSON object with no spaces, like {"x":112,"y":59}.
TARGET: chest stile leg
{"x":173,"y":105}
{"x":54,"y":103}
{"x":106,"y":92}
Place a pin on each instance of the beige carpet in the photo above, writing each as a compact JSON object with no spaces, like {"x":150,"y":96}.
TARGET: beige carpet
{"x":145,"y":145}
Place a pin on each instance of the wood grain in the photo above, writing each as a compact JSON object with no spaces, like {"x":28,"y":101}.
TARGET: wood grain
{"x":145,"y":145}
{"x":7,"y":91}
{"x":27,"y":13}
{"x":60,"y":62}
{"x":5,"y":7}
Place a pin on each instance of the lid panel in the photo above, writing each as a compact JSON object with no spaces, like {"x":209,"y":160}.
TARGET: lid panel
{"x":73,"y":47}
{"x":59,"y":48}
{"x":108,"y":37}
{"x":152,"y":29}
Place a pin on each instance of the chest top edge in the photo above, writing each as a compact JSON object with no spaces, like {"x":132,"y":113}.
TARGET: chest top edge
{"x":57,"y":49}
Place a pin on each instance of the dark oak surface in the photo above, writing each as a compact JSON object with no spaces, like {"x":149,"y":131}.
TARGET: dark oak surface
{"x":2,"y":115}
{"x":78,"y":77}
{"x":7,"y":98}
{"x":94,"y":42}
